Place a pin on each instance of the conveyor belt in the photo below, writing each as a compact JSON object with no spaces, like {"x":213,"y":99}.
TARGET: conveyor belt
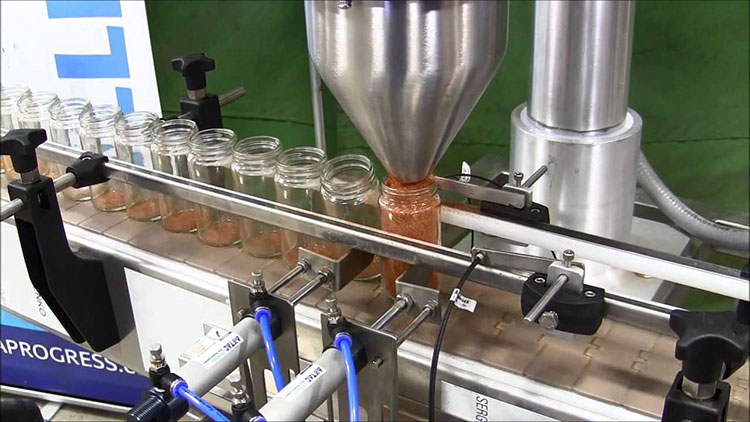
{"x":621,"y":364}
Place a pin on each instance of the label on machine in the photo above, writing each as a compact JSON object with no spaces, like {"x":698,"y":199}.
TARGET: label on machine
{"x":302,"y":382}
{"x":220,"y":345}
{"x":463,"y":302}
{"x":472,"y":406}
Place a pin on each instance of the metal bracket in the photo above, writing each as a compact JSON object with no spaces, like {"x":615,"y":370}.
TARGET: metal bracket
{"x":344,"y":268}
{"x":510,"y":197}
{"x":420,"y":295}
{"x":378,"y":381}
{"x":286,"y":343}
{"x":575,"y":273}
{"x":511,"y":260}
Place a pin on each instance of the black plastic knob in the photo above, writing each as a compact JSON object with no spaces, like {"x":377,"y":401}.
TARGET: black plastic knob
{"x":21,"y":145}
{"x":712,"y":345}
{"x":194,"y":68}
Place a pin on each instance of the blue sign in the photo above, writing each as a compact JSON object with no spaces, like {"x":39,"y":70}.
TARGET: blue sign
{"x":35,"y":359}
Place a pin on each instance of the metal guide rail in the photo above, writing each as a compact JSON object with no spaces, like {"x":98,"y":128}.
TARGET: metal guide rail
{"x":448,"y":261}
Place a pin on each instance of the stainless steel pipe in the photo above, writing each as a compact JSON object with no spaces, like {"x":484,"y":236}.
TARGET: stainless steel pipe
{"x":581,"y":64}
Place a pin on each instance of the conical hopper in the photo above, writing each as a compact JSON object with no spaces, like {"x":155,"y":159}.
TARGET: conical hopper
{"x":408,"y":73}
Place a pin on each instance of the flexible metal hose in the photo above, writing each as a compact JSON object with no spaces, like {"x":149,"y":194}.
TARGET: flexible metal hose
{"x":684,"y":217}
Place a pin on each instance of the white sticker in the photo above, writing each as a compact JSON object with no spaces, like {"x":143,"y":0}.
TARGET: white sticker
{"x":218,"y":349}
{"x":302,"y":382}
{"x":463,"y":302}
{"x":465,"y":169}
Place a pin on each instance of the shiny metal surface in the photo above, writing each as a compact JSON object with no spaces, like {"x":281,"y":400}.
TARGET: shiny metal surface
{"x":544,"y":301}
{"x":590,"y":184}
{"x":427,"y":311}
{"x":401,"y":303}
{"x":581,"y":63}
{"x":232,"y":95}
{"x":512,"y":198}
{"x":316,"y":91}
{"x":298,"y":269}
{"x":407,"y":73}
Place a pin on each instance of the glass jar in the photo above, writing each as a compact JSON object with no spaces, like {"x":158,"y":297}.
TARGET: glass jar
{"x":65,"y":124}
{"x":411,"y":210}
{"x":254,"y":168}
{"x":170,"y":148}
{"x":9,"y":96}
{"x":350,"y":192}
{"x":33,"y":113}
{"x":210,"y":161}
{"x":98,"y":135}
{"x":133,"y":145}
{"x":297,"y":183}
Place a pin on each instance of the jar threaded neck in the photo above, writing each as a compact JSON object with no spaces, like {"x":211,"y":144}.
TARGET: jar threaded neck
{"x":256,"y":154}
{"x":348,"y":176}
{"x":66,"y":114}
{"x":100,"y":120}
{"x":135,"y":128}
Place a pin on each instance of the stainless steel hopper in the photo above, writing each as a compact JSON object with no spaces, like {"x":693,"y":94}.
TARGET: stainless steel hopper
{"x":408,"y":73}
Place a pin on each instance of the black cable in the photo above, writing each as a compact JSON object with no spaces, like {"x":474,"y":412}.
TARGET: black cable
{"x":439,"y":339}
{"x":474,"y":176}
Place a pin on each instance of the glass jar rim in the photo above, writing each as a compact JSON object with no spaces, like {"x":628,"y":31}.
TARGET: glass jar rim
{"x":10,"y":94}
{"x":173,"y":132}
{"x":301,"y":161}
{"x":69,"y":110}
{"x":394,"y":188}
{"x":135,"y":126}
{"x":257,"y":149}
{"x":37,"y":102}
{"x":211,"y":141}
{"x":334,"y":185}
{"x":100,"y":117}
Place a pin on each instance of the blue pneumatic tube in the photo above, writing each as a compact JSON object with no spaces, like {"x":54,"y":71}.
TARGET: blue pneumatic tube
{"x":263,"y":316}
{"x":343,"y":342}
{"x":181,"y":389}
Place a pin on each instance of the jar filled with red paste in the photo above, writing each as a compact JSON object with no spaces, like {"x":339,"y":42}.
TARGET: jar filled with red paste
{"x":411,"y":210}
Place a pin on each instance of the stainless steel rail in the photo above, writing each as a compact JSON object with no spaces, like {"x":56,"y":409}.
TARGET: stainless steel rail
{"x":442,"y":259}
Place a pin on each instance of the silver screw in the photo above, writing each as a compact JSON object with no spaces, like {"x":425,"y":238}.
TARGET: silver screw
{"x":156,"y":356}
{"x":568,"y":256}
{"x":240,"y":314}
{"x":345,"y":4}
{"x":589,"y":293}
{"x":238,"y":394}
{"x":256,"y":282}
{"x":518,"y":178}
{"x":334,"y":313}
{"x":549,"y":320}
{"x":540,"y":280}
{"x":376,"y":362}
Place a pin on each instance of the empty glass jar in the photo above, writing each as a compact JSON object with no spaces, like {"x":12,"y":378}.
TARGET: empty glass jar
{"x":298,"y":184}
{"x":33,"y":113}
{"x":350,"y":192}
{"x":9,"y":120}
{"x":254,"y":168}
{"x":411,"y":210}
{"x":210,"y":161}
{"x":98,"y":135}
{"x":133,"y":144}
{"x":169,"y":153}
{"x":66,"y":130}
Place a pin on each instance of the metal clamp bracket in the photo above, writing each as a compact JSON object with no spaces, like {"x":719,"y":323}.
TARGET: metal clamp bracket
{"x":286,"y":344}
{"x":407,"y":285}
{"x":340,"y":270}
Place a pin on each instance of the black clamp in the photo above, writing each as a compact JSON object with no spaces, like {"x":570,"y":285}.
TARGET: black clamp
{"x":74,"y":287}
{"x":575,"y":313}
{"x":358,"y":349}
{"x":258,"y":301}
{"x":711,"y":346}
{"x":89,"y":169}
{"x":533,"y":214}
{"x":199,"y":106}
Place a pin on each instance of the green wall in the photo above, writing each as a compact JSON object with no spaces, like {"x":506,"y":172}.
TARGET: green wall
{"x":689,"y":82}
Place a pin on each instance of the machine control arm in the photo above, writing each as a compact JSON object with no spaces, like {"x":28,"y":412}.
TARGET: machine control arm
{"x":74,"y":287}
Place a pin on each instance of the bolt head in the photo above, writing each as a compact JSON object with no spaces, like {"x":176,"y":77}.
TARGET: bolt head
{"x":540,"y":280}
{"x":549,"y":320}
{"x":235,"y":380}
{"x":589,"y":293}
{"x":377,"y":362}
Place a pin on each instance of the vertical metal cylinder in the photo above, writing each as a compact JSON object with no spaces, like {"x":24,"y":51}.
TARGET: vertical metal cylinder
{"x":581,"y":64}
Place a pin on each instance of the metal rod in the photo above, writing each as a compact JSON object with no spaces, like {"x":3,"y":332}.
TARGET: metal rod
{"x":232,"y":96}
{"x":308,"y":288}
{"x":534,"y":177}
{"x":316,"y":86}
{"x":298,"y":269}
{"x":65,"y":181}
{"x":544,"y":301}
{"x":399,"y":306}
{"x":427,"y":310}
